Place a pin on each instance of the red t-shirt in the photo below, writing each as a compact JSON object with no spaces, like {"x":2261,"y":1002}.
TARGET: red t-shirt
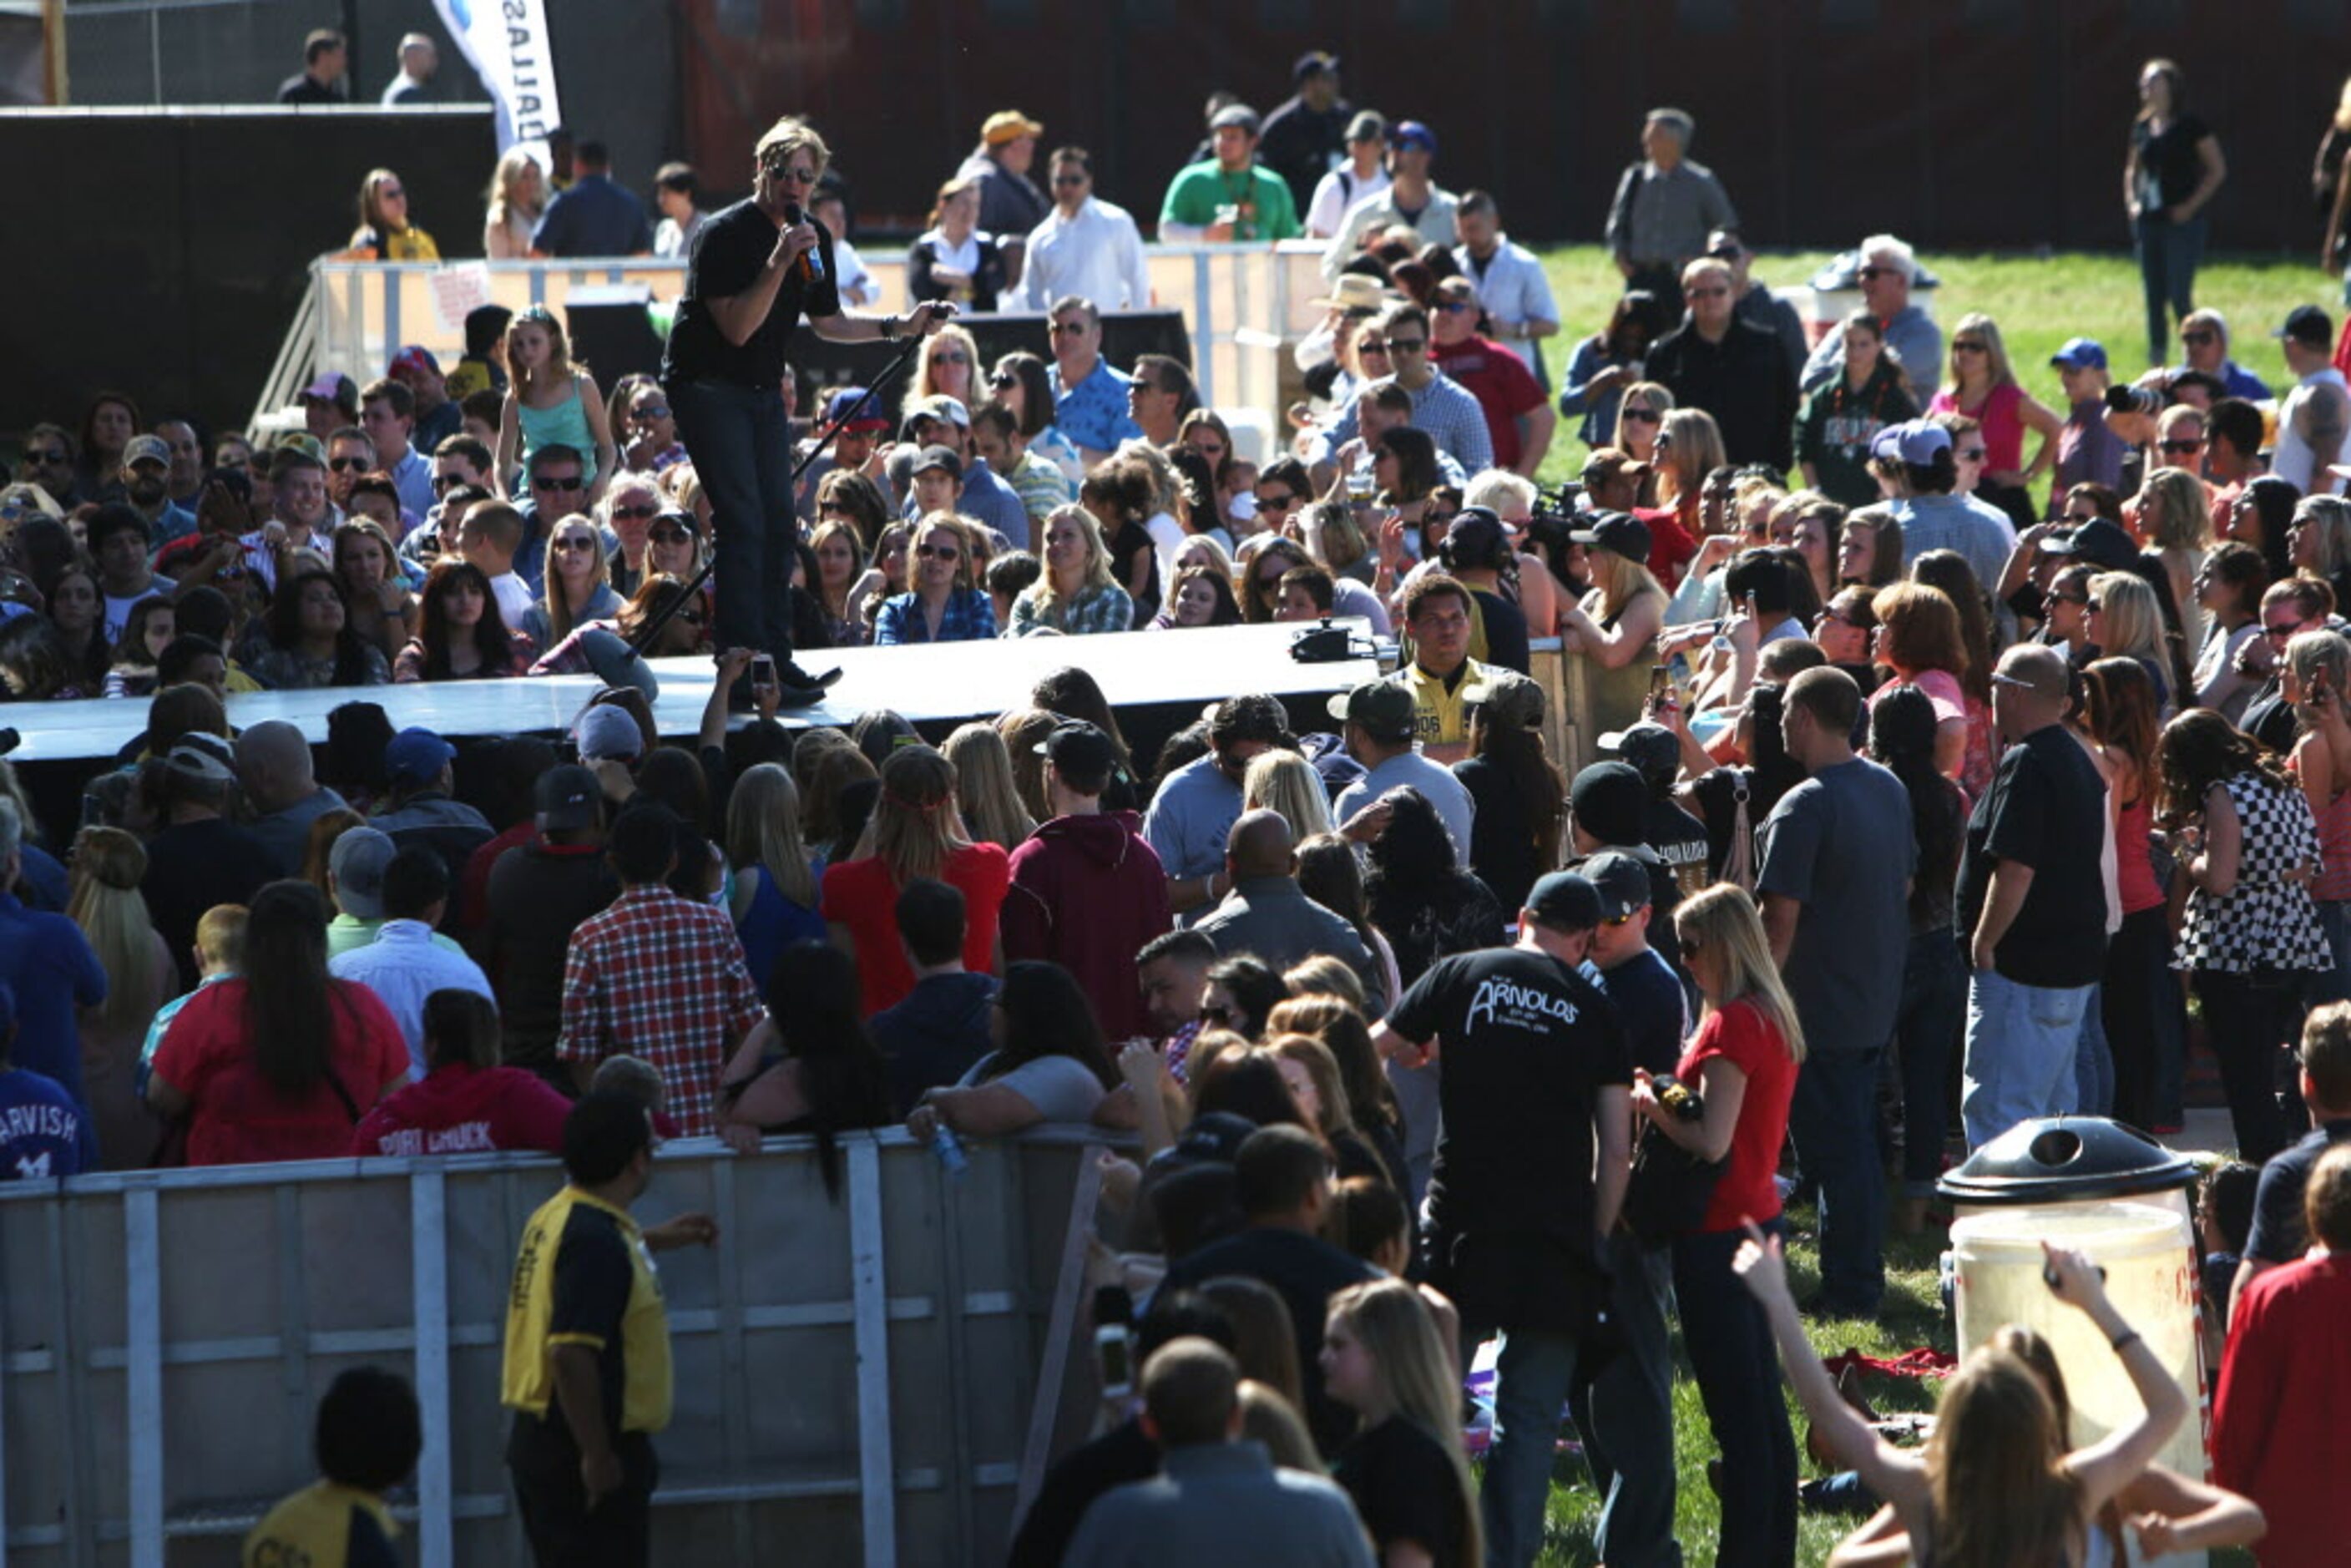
{"x":1502,"y":385}
{"x":459,"y":1110}
{"x":1670,"y":546}
{"x":2278,"y":1434}
{"x":862,"y":895}
{"x":1740,"y":1035}
{"x":239,"y":1117}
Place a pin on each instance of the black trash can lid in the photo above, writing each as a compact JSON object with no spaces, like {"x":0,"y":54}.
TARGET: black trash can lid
{"x":2065,"y":1159}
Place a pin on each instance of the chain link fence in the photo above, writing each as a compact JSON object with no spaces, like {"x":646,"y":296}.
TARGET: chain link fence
{"x":197,"y":52}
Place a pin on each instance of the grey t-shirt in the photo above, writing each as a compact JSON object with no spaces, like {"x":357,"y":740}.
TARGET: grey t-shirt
{"x":1061,"y":1087}
{"x":1841,"y":844}
{"x":1433,"y":779}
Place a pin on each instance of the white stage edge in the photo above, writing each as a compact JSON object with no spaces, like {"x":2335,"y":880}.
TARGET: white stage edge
{"x":927,"y":683}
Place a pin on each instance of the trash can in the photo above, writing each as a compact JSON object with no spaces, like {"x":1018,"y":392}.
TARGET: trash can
{"x":2092,"y":1184}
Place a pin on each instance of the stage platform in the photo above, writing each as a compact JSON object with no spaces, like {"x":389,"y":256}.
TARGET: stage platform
{"x":929,"y":682}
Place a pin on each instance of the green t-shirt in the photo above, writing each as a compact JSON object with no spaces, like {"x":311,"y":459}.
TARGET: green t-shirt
{"x":1267,"y":211}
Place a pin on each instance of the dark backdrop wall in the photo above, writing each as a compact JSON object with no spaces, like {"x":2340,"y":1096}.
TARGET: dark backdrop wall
{"x":1958,"y":123}
{"x":174,"y":271}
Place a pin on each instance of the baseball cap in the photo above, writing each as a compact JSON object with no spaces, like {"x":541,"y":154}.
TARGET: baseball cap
{"x":1610,"y":801}
{"x":146,"y":449}
{"x":1313,"y":63}
{"x":1412,"y":133}
{"x":356,"y":863}
{"x":416,"y":755}
{"x":415,"y":359}
{"x":941,"y":406}
{"x":1383,"y":709}
{"x":1238,"y":114}
{"x":1008,"y":125}
{"x":1477,"y":539}
{"x":1369,"y":125}
{"x":1622,"y":882}
{"x":334,"y":386}
{"x":838,"y":407}
{"x":1612,"y":463}
{"x":2099,"y":541}
{"x":200,"y":755}
{"x":566,"y":795}
{"x":680,"y":516}
{"x":2036,"y":669}
{"x":1076,"y":747}
{"x":1564,"y":901}
{"x":1508,"y":697}
{"x":1620,"y":533}
{"x":609,"y":731}
{"x":942,"y":457}
{"x":1913,"y":442}
{"x":2307,"y":324}
{"x":1650,"y":749}
{"x":2080,"y":354}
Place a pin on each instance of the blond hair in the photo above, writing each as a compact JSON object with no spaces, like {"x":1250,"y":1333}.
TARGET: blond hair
{"x":1652,"y":395}
{"x":1996,"y":366}
{"x":1417,"y":1378}
{"x":916,"y":826}
{"x":1621,"y":581}
{"x":950,"y":337}
{"x":2183,"y":510}
{"x":2130,"y":620}
{"x":984,"y":788}
{"x":789,"y":135}
{"x":108,"y":867}
{"x":1043,"y":599}
{"x":1285,"y":782}
{"x":1722,"y":920}
{"x":763,"y":827}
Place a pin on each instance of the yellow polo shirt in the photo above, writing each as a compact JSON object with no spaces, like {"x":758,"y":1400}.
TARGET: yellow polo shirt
{"x":583,"y":1275}
{"x":1439,"y":716}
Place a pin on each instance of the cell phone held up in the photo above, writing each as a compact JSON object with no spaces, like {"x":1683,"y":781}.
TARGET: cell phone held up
{"x":763,"y":671}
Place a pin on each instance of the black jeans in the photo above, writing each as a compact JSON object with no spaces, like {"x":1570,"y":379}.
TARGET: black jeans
{"x":2246,"y":1021}
{"x":564,"y":1532}
{"x":2144,"y":1017}
{"x":741,"y":445}
{"x":1738,"y":1369}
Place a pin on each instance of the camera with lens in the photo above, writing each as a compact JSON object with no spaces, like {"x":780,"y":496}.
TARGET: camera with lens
{"x":2149,"y":400}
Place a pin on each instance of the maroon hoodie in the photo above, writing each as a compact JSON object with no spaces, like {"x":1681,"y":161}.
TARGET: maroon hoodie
{"x":1087,"y":894}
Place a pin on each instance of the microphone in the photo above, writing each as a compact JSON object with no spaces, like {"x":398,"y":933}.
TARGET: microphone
{"x":812,"y":262}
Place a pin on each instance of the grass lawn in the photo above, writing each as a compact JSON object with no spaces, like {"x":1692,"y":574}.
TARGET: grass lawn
{"x":2039,"y":302}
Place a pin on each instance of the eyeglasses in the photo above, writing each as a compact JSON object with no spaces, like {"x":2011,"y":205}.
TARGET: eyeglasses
{"x":348,"y":464}
{"x":1407,"y":345}
{"x":651,"y":411}
{"x":2081,"y":599}
{"x":2184,"y":446}
{"x":1061,"y":180}
{"x":1004,"y":378}
{"x":638,"y":512}
{"x":937,"y":552}
{"x":1967,"y":348}
{"x":673,"y":534}
{"x":2197,"y":339}
{"x":1640,"y":417}
{"x":1069,"y":329}
{"x":557,"y":482}
{"x":575,"y":541}
{"x":2280,"y":634}
{"x":1275,"y":503}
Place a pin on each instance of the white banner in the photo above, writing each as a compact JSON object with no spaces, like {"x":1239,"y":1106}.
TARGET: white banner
{"x":507,"y":41}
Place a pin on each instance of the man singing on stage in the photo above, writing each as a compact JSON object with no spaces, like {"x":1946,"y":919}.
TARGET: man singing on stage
{"x":756,"y":268}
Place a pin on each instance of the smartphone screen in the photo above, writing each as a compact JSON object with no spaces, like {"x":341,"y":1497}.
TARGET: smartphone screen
{"x":763,"y":670}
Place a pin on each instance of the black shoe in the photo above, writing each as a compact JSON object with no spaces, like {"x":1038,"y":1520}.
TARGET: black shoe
{"x":791,"y":678}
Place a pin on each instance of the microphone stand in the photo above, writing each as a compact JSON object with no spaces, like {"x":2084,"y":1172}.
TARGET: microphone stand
{"x":653,"y":628}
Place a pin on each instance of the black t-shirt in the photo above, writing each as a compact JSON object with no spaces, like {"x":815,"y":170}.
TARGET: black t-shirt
{"x":1119,"y":1455}
{"x":2278,"y":1234}
{"x":538,"y":894}
{"x":191,"y":866}
{"x":1527,"y":1045}
{"x":1501,"y":842}
{"x":727,"y":255}
{"x":1305,"y":1272}
{"x":2168,"y":164}
{"x":1506,"y":631}
{"x":2045,"y":809}
{"x":1648,"y":996}
{"x":1406,"y":1488}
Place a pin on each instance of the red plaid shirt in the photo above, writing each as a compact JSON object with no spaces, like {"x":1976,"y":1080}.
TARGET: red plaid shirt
{"x":660,"y":978}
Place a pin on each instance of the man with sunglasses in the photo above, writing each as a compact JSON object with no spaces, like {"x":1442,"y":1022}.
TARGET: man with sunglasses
{"x":1089,"y":396}
{"x":1886,"y":274}
{"x":1085,"y":246}
{"x":1440,"y":405}
{"x":758,"y":267}
{"x":1753,"y":301}
{"x":47,"y":461}
{"x":1734,"y":370}
{"x":1195,"y":805}
{"x":856,"y":448}
{"x":1519,"y":420}
{"x":2204,"y":346}
{"x":349,"y":454}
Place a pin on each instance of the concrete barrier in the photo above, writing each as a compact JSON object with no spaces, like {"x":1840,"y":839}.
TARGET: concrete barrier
{"x":856,"y":1378}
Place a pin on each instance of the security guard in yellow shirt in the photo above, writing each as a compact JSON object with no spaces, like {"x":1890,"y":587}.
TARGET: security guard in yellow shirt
{"x":587,"y":1346}
{"x":367,"y":1438}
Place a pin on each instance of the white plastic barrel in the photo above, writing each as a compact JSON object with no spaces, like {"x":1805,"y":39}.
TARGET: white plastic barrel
{"x":2144,"y":1249}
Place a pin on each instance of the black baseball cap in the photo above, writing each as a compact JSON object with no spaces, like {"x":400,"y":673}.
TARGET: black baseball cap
{"x":2100,"y":541}
{"x":1564,"y":901}
{"x":1621,"y":533}
{"x":1610,"y":801}
{"x":1077,"y":747}
{"x":1621,"y":883}
{"x":2307,"y":324}
{"x":567,"y":796}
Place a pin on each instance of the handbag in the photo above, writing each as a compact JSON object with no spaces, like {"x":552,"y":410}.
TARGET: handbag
{"x":1669,"y":1189}
{"x":1739,"y":857}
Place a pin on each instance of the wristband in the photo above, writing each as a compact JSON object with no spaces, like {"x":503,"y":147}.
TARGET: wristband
{"x":2123,"y":1341}
{"x":889,"y":328}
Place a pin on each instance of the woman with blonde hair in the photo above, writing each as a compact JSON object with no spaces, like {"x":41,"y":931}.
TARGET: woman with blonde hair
{"x":940,"y":605}
{"x":1615,"y":625}
{"x":953,"y":258}
{"x":1076,"y":596}
{"x":1869,"y":546}
{"x":2175,"y":519}
{"x":991,"y":802}
{"x":141,"y":976}
{"x":775,"y":891}
{"x":2125,"y":620}
{"x":2319,"y":540}
{"x":915,"y":830}
{"x":1691,"y":450}
{"x":2314,"y":677}
{"x":1742,"y":1064}
{"x":552,"y":402}
{"x":1383,"y":1359}
{"x":578,"y":587}
{"x":1984,"y":387}
{"x":1315,"y":1010}
{"x":1640,"y":420}
{"x":946,"y":365}
{"x":1024,"y":730}
{"x":515,"y":199}
{"x":840,"y":570}
{"x":1286,"y":783}
{"x":384,"y":232}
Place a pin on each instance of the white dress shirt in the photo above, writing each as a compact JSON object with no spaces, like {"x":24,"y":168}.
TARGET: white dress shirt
{"x":1513,"y":287}
{"x":403,"y":967}
{"x":1097,"y":255}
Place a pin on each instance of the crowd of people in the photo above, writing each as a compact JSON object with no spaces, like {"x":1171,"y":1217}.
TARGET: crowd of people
{"x":1941,"y":778}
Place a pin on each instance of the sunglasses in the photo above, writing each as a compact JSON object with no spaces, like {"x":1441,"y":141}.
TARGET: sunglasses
{"x":937,"y":552}
{"x":2183,"y":445}
{"x":2196,"y":340}
{"x":1275,"y":503}
{"x":652,"y":411}
{"x":636,"y":512}
{"x":2082,"y":599}
{"x":1967,"y":348}
{"x":446,"y":482}
{"x":955,"y":358}
{"x":1407,"y":345}
{"x":1061,"y":180}
{"x":1372,"y":346}
{"x":1640,"y":417}
{"x":673,"y":534}
{"x":51,"y":457}
{"x":348,"y":464}
{"x":1868,"y":274}
{"x":552,"y":482}
{"x":1004,"y":378}
{"x":2281,"y":633}
{"x":575,"y":541}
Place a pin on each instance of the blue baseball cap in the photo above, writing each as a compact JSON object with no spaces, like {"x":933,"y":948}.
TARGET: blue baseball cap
{"x":1913,"y":442}
{"x":416,"y":755}
{"x":2080,"y":354}
{"x":1413,"y":133}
